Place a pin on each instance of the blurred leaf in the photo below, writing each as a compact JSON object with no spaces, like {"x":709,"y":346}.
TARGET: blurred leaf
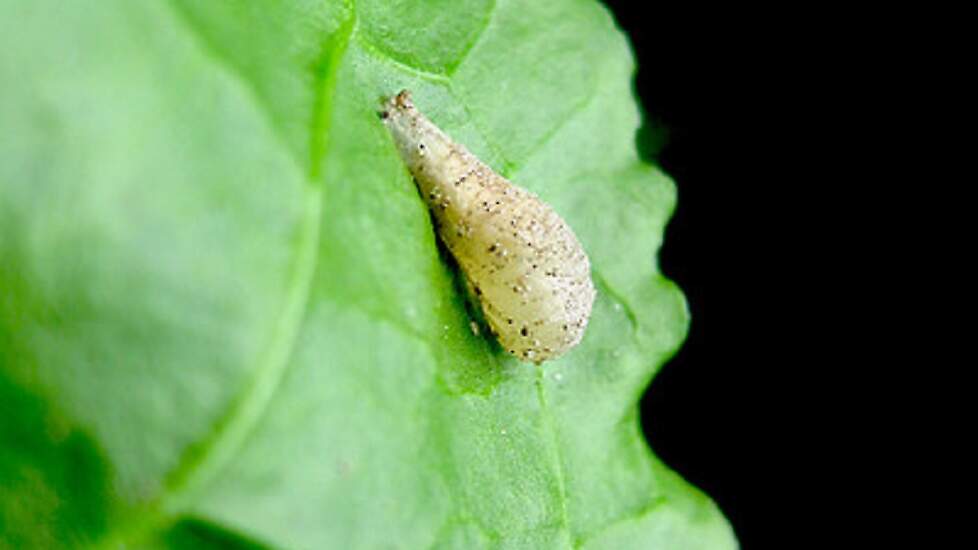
{"x":224,"y":317}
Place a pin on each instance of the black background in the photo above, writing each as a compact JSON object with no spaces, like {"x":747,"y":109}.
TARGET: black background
{"x":719,"y":113}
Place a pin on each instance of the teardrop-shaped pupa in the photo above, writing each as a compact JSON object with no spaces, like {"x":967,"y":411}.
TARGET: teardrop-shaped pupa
{"x":523,"y":262}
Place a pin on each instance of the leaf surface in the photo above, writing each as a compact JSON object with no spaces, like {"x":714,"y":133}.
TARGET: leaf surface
{"x":224,"y":316}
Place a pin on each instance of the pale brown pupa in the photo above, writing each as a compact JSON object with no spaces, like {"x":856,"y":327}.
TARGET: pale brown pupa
{"x":525,"y":265}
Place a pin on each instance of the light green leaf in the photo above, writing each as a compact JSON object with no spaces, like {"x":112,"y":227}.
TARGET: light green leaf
{"x":224,"y":316}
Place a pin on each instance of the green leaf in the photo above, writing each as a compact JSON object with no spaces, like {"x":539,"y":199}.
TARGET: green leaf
{"x":225,"y":320}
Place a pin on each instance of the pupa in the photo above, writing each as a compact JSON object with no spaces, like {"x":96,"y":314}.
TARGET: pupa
{"x":520,"y":259}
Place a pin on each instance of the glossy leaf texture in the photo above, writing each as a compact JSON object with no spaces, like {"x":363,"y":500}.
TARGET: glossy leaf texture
{"x":225,"y":319}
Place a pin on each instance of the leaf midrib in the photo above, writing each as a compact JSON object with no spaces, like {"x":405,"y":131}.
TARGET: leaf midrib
{"x":210,"y":457}
{"x":245,"y":412}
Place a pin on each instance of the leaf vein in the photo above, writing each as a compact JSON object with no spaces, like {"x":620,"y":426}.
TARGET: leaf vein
{"x":450,"y":70}
{"x":201,"y":464}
